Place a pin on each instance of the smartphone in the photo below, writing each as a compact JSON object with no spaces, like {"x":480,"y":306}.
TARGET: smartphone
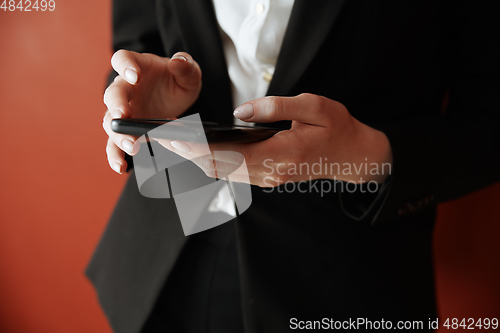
{"x":189,"y":131}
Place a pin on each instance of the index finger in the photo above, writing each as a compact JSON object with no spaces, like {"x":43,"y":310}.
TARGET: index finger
{"x":125,"y":63}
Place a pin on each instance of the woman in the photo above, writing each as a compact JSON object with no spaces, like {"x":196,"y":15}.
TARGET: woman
{"x":361,"y":82}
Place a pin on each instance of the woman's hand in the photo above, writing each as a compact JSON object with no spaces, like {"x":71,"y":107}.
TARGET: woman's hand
{"x":148,"y":86}
{"x":325,"y":141}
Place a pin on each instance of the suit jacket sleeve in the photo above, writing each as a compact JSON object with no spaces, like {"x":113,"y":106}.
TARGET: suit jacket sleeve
{"x":442,"y":157}
{"x":135,"y":28}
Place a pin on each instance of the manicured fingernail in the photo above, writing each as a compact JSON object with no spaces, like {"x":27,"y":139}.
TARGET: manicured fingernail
{"x":116,"y":114}
{"x":244,"y":112}
{"x":128,"y":146}
{"x":181,"y":146}
{"x":179,"y":57}
{"x":131,"y":75}
{"x":117,"y":167}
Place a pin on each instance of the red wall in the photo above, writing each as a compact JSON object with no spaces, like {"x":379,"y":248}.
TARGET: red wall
{"x":56,"y":190}
{"x":467,"y":256}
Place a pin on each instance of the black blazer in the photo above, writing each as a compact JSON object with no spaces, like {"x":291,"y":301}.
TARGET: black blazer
{"x":391,"y":63}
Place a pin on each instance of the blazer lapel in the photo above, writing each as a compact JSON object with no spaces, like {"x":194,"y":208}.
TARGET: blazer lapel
{"x":309,"y":25}
{"x":201,"y":36}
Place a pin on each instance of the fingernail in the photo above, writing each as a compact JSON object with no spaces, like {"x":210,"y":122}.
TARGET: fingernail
{"x":117,"y":167}
{"x":128,"y":146}
{"x":181,"y":146}
{"x":244,"y":112}
{"x":179,"y":57}
{"x":131,"y":75}
{"x":116,"y":114}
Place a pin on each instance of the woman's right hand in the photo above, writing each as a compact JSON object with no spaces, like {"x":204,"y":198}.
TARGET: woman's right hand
{"x":148,"y":86}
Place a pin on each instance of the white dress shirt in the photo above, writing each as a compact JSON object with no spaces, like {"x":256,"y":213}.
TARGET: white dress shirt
{"x":252,"y":32}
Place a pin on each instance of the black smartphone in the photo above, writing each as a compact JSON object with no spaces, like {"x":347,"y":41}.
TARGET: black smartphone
{"x":214,"y":132}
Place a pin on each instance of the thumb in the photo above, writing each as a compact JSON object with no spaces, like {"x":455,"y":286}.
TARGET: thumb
{"x":186,"y":71}
{"x":305,"y":108}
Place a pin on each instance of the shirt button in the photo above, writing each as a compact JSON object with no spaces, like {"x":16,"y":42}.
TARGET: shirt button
{"x":259,"y":8}
{"x":267,"y":77}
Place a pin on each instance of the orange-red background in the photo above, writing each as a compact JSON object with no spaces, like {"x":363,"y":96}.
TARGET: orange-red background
{"x":57,"y":192}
